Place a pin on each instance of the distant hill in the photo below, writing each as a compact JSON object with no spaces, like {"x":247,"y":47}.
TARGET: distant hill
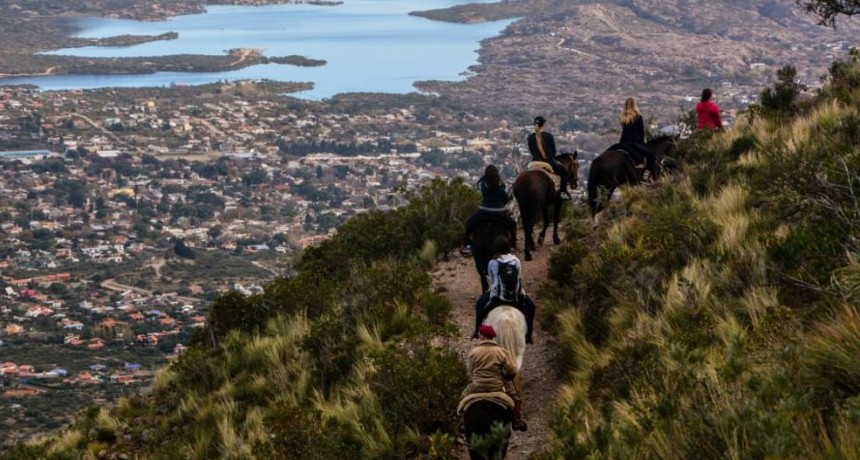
{"x":581,"y":59}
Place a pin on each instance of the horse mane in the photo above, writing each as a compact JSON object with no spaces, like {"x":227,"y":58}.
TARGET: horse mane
{"x":572,"y":156}
{"x":510,"y":326}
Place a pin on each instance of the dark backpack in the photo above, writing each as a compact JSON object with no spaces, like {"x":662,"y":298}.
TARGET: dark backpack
{"x":509,"y":282}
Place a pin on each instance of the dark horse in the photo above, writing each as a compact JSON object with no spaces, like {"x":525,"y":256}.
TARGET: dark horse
{"x":614,"y":168}
{"x":535,"y":192}
{"x":478,"y":420}
{"x":483,"y":246}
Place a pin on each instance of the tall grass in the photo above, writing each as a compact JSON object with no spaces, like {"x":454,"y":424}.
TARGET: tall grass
{"x":744,"y":341}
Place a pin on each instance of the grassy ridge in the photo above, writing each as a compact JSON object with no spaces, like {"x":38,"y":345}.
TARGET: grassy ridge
{"x":717,"y":316}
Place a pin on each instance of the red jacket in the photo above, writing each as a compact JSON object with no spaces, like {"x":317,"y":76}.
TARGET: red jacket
{"x":708,"y":115}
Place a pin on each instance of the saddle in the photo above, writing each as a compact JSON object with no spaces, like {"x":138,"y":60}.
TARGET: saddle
{"x":637,"y":157}
{"x":498,"y":397}
{"x":547,"y":169}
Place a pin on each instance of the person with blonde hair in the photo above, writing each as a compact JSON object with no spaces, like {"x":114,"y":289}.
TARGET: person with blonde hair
{"x":633,"y":137}
{"x":542,"y":147}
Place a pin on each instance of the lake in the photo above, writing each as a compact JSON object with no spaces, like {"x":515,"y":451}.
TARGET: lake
{"x":369,"y":46}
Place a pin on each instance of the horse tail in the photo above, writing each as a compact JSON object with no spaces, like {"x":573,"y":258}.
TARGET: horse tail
{"x":510,"y":326}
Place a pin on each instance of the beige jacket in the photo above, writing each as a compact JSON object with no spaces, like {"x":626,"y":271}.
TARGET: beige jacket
{"x":489,"y":366}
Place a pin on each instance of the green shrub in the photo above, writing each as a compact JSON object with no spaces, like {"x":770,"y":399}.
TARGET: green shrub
{"x":372,"y":293}
{"x":597,"y":276}
{"x":692,"y":326}
{"x":438,"y":213}
{"x":234,"y":311}
{"x":490,"y":445}
{"x":811,"y":251}
{"x":782,"y":97}
{"x":333,"y":344}
{"x":629,"y":366}
{"x":300,"y":432}
{"x":437,"y":309}
{"x":418,"y":387}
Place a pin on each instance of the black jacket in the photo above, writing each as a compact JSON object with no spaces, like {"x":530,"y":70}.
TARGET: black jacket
{"x":548,"y":147}
{"x":492,"y":198}
{"x":633,"y":132}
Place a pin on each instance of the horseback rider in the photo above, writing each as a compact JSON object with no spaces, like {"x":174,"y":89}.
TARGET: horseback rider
{"x":542,"y":147}
{"x":494,"y":201}
{"x":491,"y":370}
{"x":633,"y":137}
{"x":506,"y":287}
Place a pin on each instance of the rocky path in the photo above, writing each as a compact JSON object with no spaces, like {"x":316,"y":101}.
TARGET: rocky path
{"x":458,"y":280}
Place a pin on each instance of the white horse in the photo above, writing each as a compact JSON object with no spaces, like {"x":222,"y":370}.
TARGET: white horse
{"x":510,"y":326}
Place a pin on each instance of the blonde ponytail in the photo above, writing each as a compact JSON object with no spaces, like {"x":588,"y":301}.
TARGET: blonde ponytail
{"x":539,"y":141}
{"x":630,"y":111}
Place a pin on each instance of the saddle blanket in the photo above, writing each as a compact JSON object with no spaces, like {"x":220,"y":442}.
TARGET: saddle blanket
{"x":497,"y":397}
{"x":547,"y":169}
{"x":630,"y":151}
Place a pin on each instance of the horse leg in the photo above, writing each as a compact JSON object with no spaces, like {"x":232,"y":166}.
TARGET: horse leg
{"x":485,"y":285}
{"x":545,"y":215}
{"x":528,"y":236}
{"x":556,"y":215}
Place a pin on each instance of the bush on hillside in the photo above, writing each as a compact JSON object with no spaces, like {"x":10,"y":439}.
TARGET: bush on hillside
{"x":418,"y":388}
{"x":844,"y":78}
{"x":439,"y":211}
{"x":782,"y":97}
{"x":333,"y":344}
{"x":301,"y":432}
{"x":710,"y":167}
{"x":437,"y":309}
{"x":234,"y":311}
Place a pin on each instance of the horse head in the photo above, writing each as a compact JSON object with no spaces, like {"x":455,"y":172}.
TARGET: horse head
{"x":568,"y":160}
{"x":663,"y":146}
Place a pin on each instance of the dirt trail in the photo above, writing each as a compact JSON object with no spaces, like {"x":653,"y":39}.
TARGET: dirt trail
{"x":458,"y":280}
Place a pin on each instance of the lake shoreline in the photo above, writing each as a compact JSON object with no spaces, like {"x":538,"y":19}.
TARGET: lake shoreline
{"x":370,"y":42}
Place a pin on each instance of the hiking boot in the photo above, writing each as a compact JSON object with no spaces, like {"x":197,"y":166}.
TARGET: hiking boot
{"x":466,"y":250}
{"x":564,"y":195}
{"x":519,"y":425}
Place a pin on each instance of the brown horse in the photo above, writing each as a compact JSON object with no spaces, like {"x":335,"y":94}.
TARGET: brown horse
{"x":483,"y":247}
{"x":535,"y":192}
{"x":614,"y":168}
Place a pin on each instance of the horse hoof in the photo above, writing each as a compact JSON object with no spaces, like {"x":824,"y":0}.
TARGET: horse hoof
{"x":556,"y":241}
{"x":528,"y":257}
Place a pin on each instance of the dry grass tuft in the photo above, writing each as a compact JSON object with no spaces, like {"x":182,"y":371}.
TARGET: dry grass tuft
{"x":831,"y":355}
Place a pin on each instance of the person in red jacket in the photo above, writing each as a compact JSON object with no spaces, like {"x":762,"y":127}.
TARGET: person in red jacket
{"x":707,"y":112}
